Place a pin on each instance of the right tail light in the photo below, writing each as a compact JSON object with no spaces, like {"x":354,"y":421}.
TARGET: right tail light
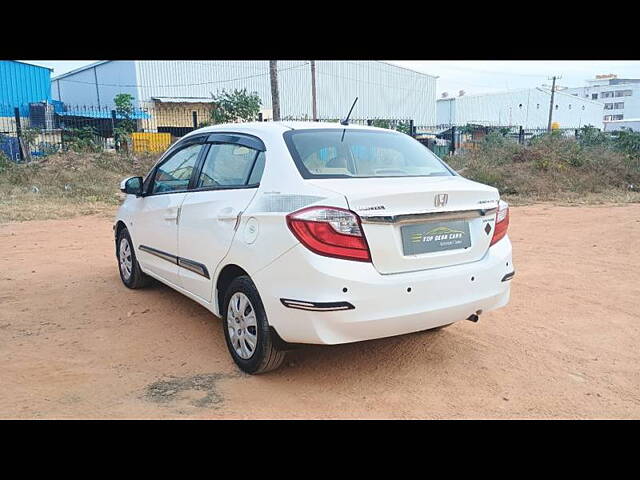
{"x":502,"y":222}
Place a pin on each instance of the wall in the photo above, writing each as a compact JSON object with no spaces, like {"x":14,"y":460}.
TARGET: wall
{"x":528,"y":108}
{"x":632,"y":124}
{"x":384,"y":90}
{"x":112,"y":78}
{"x":21,"y":84}
{"x":173,"y":114}
{"x":445,"y":111}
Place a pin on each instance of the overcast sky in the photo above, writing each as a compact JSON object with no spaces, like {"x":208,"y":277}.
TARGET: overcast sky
{"x":475,"y":76}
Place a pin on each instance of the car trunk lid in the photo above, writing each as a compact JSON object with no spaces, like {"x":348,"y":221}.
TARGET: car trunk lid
{"x":419,"y":223}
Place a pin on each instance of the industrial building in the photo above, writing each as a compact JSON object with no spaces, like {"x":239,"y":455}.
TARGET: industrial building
{"x":620,"y":96}
{"x":27,"y":88}
{"x":21,"y":84}
{"x":383,"y":90}
{"x":528,"y":108}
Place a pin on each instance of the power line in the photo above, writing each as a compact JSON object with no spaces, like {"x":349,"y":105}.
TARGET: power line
{"x":370,"y":83}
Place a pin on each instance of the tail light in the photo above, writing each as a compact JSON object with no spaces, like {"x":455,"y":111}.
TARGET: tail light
{"x":502,"y":222}
{"x":330,"y":231}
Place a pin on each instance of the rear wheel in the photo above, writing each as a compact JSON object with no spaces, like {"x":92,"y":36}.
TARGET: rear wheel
{"x":246,"y":329}
{"x":130,"y":273}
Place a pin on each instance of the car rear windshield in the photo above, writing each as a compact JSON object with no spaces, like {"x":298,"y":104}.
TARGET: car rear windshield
{"x":345,"y":153}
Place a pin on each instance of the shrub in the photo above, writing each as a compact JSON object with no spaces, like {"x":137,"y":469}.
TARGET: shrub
{"x":628,"y":142}
{"x":81,"y":140}
{"x":589,"y":136}
{"x":555,"y":166}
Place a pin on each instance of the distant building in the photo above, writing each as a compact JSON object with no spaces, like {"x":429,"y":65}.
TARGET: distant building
{"x":629,"y":124}
{"x":620,"y":96}
{"x":383,"y":90}
{"x":528,"y":108}
{"x":21,"y":84}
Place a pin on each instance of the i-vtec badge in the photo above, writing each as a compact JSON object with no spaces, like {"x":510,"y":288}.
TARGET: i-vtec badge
{"x":441,"y":199}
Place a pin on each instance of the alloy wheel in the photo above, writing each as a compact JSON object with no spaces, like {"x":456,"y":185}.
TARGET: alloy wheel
{"x":126,"y":261}
{"x":242,"y":325}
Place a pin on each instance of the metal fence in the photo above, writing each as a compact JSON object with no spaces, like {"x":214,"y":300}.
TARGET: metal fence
{"x":38,"y":129}
{"x":454,"y":139}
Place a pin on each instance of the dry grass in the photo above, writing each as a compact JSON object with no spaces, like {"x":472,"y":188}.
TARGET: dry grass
{"x":554,"y":170}
{"x":66,"y":185}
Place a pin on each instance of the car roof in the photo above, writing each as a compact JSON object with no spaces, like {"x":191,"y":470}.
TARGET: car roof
{"x":282,"y":126}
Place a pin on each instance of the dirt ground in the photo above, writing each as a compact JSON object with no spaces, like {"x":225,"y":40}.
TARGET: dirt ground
{"x":75,"y":343}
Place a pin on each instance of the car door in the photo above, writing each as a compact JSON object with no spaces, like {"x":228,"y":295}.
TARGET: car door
{"x":156,"y":221}
{"x":227,"y":180}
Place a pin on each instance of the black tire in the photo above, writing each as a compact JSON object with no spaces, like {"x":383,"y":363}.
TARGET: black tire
{"x":265,"y":356}
{"x":137,"y":278}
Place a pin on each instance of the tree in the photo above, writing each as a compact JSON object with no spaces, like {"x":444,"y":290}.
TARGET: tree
{"x":125,"y":125}
{"x":235,"y":106}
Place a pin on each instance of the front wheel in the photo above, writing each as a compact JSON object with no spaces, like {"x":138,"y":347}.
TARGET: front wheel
{"x":246,"y":329}
{"x":130,"y":273}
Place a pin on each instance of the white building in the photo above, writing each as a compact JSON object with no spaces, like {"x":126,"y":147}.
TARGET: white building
{"x":528,"y":108}
{"x":626,"y":124}
{"x":620,"y":96}
{"x":383,"y":90}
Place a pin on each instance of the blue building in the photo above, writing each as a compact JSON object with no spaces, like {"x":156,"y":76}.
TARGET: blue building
{"x":21,"y":84}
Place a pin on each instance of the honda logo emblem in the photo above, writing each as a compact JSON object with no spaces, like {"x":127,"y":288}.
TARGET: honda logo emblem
{"x":440,"y":200}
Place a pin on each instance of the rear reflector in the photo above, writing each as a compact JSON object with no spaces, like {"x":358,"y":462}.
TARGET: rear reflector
{"x":330,"y":231}
{"x":502,"y":222}
{"x":317,"y":306}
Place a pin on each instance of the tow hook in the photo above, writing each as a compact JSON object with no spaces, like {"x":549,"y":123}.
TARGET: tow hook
{"x":474,"y":317}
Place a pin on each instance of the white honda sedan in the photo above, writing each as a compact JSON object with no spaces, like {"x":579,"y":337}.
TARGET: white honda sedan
{"x":317,"y":233}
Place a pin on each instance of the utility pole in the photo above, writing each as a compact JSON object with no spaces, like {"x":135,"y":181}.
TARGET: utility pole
{"x":313,"y":91}
{"x":275,"y":95}
{"x":553,"y":91}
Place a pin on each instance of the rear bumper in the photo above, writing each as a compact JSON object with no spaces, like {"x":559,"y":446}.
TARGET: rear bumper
{"x":385,"y":305}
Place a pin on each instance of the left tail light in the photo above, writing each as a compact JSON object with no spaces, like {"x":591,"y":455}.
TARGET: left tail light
{"x":502,"y":222}
{"x":330,"y":231}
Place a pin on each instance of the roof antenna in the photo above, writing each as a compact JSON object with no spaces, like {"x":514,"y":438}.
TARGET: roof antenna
{"x":346,"y":120}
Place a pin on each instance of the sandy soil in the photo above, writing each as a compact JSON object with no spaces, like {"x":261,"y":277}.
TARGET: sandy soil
{"x":75,"y":343}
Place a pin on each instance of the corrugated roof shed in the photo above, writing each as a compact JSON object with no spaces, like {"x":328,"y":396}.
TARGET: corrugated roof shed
{"x":22,"y":83}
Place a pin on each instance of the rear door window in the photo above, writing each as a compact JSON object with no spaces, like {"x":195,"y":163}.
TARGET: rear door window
{"x":231,"y":165}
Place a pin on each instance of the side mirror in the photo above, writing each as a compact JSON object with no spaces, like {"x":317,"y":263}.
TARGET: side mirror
{"x":132,"y":186}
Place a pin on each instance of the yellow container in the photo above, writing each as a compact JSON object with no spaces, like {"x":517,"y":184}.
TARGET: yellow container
{"x":555,"y":125}
{"x":150,"y":142}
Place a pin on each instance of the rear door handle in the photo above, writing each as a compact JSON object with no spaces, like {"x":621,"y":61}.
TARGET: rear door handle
{"x":227,"y":214}
{"x":172,"y":214}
